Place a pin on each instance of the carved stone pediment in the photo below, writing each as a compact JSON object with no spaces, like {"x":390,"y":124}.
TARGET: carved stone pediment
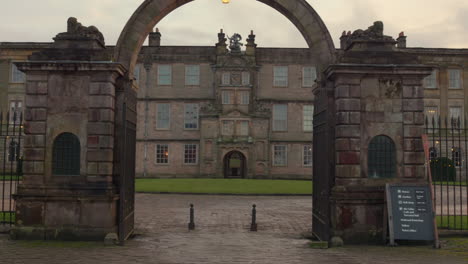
{"x":235,"y":114}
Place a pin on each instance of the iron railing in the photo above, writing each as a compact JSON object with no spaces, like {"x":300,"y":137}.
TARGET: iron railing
{"x":448,"y":150}
{"x":11,"y":171}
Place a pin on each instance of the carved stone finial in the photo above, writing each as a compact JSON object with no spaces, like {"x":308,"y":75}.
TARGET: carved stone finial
{"x":235,"y":44}
{"x":76,"y":29}
{"x":373,"y":34}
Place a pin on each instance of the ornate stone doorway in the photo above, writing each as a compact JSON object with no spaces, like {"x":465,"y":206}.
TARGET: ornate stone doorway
{"x":235,"y":165}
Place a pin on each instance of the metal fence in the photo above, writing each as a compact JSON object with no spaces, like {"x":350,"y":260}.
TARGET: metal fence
{"x":448,"y":150}
{"x":11,"y":136}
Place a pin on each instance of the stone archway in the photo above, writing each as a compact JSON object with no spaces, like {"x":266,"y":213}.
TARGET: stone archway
{"x":235,"y":165}
{"x":150,"y":12}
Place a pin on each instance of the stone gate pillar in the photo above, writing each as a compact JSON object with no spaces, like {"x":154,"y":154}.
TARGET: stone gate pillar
{"x":68,"y":189}
{"x":378,"y":121}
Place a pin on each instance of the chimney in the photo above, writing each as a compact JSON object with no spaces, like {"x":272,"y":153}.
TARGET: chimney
{"x":221,"y":46}
{"x":155,"y":38}
{"x":401,"y":40}
{"x":251,"y":46}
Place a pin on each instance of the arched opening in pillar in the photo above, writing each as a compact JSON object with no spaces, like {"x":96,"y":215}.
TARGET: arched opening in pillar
{"x":66,"y":155}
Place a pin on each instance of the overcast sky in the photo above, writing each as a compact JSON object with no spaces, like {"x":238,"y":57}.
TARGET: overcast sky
{"x":427,"y":23}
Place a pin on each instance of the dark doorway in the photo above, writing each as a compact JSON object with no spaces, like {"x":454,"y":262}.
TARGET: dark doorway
{"x":234,"y":165}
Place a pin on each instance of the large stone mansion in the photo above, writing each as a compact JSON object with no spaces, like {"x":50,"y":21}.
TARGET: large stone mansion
{"x":226,"y":111}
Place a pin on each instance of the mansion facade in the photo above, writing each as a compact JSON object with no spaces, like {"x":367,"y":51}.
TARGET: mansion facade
{"x":229,"y":112}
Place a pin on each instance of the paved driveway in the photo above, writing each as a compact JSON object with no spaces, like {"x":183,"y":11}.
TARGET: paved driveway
{"x":222,"y":236}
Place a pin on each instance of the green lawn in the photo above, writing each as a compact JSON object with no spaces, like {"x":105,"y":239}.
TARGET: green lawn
{"x":10,"y":178}
{"x":453,"y":222}
{"x":450,"y":183}
{"x":223,"y":186}
{"x":7,"y":217}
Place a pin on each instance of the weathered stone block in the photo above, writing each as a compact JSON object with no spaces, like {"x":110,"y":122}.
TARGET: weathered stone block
{"x":375,"y":117}
{"x":414,"y":158}
{"x":342,"y":118}
{"x":106,"y":141}
{"x":354,"y":118}
{"x":348,"y":104}
{"x":42,"y":88}
{"x":342,"y":144}
{"x":355,"y":91}
{"x":393,"y":117}
{"x":100,"y":155}
{"x":408,"y":117}
{"x":92,"y":168}
{"x":34,"y":154}
{"x":101,"y":101}
{"x":105,"y":168}
{"x":413,"y":131}
{"x":39,"y":101}
{"x":355,"y":144}
{"x":34,"y":141}
{"x":348,"y":171}
{"x":348,"y":157}
{"x":101,"y":88}
{"x":342,"y":91}
{"x":100,"y":128}
{"x":415,"y":105}
{"x":348,"y":131}
{"x":93,"y":141}
{"x":107,"y":115}
{"x":35,"y":127}
{"x":419,"y":118}
{"x":411,"y":171}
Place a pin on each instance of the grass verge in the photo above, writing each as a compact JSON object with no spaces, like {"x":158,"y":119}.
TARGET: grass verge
{"x":452,"y":222}
{"x":7,"y":217}
{"x":224,"y":186}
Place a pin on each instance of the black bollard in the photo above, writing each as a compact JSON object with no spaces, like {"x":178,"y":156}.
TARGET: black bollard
{"x":191,"y":225}
{"x":253,"y":226}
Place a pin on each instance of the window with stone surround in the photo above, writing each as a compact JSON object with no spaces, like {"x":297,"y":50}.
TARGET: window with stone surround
{"x":456,"y":117}
{"x":457,"y":156}
{"x":226,"y":78}
{"x":430,"y":82}
{"x":245,"y":78}
{"x":163,"y":116}
{"x":17,"y":76}
{"x":307,"y":156}
{"x":162,"y":154}
{"x":242,"y":128}
{"x":433,"y":153}
{"x":192,"y":75}
{"x":244,"y":97}
{"x":280,"y":155}
{"x":309,"y":75}
{"x":280,"y":117}
{"x":381,"y":158}
{"x":13,"y":151}
{"x":280,"y":76}
{"x":432,"y":118}
{"x":227,"y":128}
{"x":191,"y":116}
{"x":66,"y":155}
{"x":454,"y":78}
{"x":308,"y":117}
{"x":164,"y":74}
{"x":227,"y":97}
{"x":190,"y":154}
{"x":16,"y":111}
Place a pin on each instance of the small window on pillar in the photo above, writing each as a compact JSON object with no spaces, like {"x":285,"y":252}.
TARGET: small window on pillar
{"x":381,"y":158}
{"x":66,"y":155}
